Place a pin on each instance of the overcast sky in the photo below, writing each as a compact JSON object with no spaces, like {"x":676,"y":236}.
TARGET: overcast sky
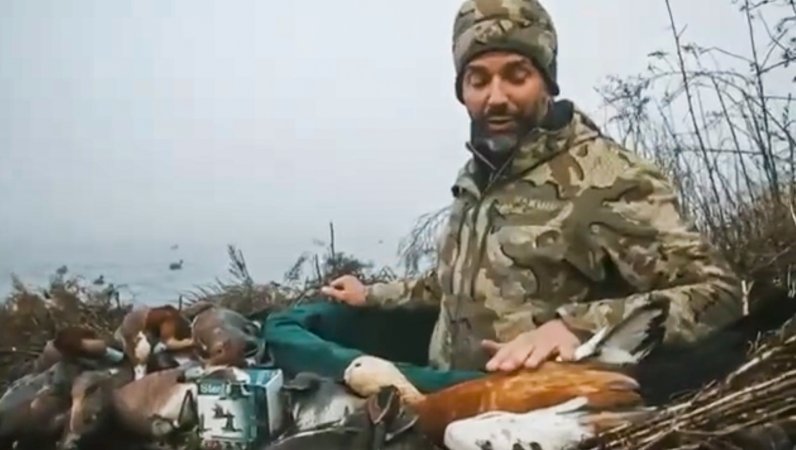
{"x":203,"y":122}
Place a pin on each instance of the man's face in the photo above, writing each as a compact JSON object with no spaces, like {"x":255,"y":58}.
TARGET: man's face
{"x":504,"y":93}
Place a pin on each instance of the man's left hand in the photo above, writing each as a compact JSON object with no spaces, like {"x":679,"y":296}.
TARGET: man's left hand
{"x":529,"y":349}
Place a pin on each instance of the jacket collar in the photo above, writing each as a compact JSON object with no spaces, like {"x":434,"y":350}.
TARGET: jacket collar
{"x":564,"y":128}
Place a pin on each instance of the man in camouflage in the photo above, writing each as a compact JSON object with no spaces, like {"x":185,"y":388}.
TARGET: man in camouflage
{"x":555,"y":229}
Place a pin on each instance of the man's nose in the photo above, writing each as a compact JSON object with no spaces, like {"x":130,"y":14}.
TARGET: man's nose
{"x":496,"y":96}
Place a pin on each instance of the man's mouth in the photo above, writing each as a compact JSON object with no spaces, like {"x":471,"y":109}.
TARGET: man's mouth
{"x":501,"y":123}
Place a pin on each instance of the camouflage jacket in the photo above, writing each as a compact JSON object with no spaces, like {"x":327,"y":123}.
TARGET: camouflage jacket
{"x":578,"y":229}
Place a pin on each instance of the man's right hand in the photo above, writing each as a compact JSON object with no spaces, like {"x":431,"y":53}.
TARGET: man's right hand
{"x":347,"y":289}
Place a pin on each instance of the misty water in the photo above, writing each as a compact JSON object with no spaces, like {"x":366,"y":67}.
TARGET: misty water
{"x":141,"y":270}
{"x":141,"y":273}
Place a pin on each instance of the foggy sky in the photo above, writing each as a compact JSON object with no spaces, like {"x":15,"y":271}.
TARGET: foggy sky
{"x":130,"y":124}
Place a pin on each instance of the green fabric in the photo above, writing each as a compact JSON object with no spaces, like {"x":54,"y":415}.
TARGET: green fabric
{"x":324,"y":337}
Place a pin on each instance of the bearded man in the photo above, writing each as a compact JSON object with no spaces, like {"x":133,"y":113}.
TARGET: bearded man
{"x":555,"y":229}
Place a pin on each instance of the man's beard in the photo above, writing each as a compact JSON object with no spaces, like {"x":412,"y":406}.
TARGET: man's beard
{"x":495,"y":148}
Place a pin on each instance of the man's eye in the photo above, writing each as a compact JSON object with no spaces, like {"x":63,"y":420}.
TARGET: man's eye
{"x":518,"y":75}
{"x":476,"y":79}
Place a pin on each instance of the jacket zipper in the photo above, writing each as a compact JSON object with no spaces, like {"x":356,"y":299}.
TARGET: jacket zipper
{"x":468,"y":286}
{"x":475,"y":246}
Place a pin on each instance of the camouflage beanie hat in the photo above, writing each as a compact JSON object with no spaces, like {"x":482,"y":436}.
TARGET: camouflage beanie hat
{"x":521,"y":26}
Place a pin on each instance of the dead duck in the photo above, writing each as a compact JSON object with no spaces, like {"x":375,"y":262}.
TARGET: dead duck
{"x":163,"y":325}
{"x":552,"y":383}
{"x":109,"y":407}
{"x":78,"y":344}
{"x":569,"y":427}
{"x":313,"y":401}
{"x":147,"y":409}
{"x":381,"y":423}
{"x":668,"y":371}
{"x":125,"y":371}
{"x":224,"y":337}
{"x":171,"y":360}
{"x":34,"y":408}
{"x":228,"y":316}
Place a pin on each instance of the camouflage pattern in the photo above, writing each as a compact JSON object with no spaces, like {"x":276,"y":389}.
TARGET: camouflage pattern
{"x":580,"y":229}
{"x":521,"y":26}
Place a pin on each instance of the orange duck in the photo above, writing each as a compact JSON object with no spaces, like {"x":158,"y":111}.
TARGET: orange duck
{"x":524,"y":390}
{"x":616,"y":369}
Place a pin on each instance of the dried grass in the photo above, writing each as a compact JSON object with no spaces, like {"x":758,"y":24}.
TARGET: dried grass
{"x":29,"y":317}
{"x":728,"y":413}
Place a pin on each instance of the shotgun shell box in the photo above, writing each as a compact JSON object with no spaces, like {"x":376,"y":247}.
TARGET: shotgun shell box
{"x":240,"y":415}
